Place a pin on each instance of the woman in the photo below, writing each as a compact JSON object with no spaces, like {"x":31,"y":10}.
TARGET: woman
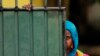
{"x":71,"y":40}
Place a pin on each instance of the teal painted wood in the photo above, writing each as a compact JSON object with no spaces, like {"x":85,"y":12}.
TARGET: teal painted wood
{"x":46,"y":32}
{"x":39,"y":33}
{"x":1,"y":37}
{"x":53,"y":33}
{"x":25,"y":33}
{"x":35,"y":33}
{"x":10,"y":33}
{"x":60,"y":22}
{"x":17,"y":33}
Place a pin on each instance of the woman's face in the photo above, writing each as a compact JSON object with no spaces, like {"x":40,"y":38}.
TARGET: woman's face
{"x":68,"y":41}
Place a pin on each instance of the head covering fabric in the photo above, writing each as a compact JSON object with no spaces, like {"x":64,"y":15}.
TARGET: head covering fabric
{"x":74,"y":34}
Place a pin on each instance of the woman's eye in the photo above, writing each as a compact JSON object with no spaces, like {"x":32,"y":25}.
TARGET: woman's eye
{"x":68,"y":37}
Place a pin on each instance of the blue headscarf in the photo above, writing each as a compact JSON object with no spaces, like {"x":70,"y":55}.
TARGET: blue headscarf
{"x":74,"y":34}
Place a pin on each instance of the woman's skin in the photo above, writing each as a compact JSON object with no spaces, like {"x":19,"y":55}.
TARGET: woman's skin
{"x":68,"y":41}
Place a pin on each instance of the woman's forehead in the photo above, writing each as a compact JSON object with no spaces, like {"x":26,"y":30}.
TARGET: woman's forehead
{"x":67,"y":33}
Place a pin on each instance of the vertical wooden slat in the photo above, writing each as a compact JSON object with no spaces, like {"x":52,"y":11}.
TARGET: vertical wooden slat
{"x":25,"y":33}
{"x":10,"y":33}
{"x":46,"y":28}
{"x":32,"y":50}
{"x":60,"y":21}
{"x":38,"y":30}
{"x":1,"y":37}
{"x":53,"y":34}
{"x":46,"y":32}
{"x":17,"y":38}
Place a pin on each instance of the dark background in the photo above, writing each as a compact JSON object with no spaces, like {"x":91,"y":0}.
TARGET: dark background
{"x":88,"y":34}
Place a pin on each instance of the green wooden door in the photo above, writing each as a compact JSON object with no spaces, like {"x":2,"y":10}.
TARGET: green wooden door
{"x":34,"y":33}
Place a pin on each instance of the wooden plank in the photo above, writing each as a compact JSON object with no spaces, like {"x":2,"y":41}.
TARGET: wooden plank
{"x":8,"y":3}
{"x":25,"y":33}
{"x":53,"y":34}
{"x":21,"y":3}
{"x":46,"y":32}
{"x":38,"y":30}
{"x":38,"y":3}
{"x":61,"y":37}
{"x":10,"y":33}
{"x":1,"y":36}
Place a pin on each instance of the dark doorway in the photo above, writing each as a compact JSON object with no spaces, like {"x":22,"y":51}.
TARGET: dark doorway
{"x":88,"y":32}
